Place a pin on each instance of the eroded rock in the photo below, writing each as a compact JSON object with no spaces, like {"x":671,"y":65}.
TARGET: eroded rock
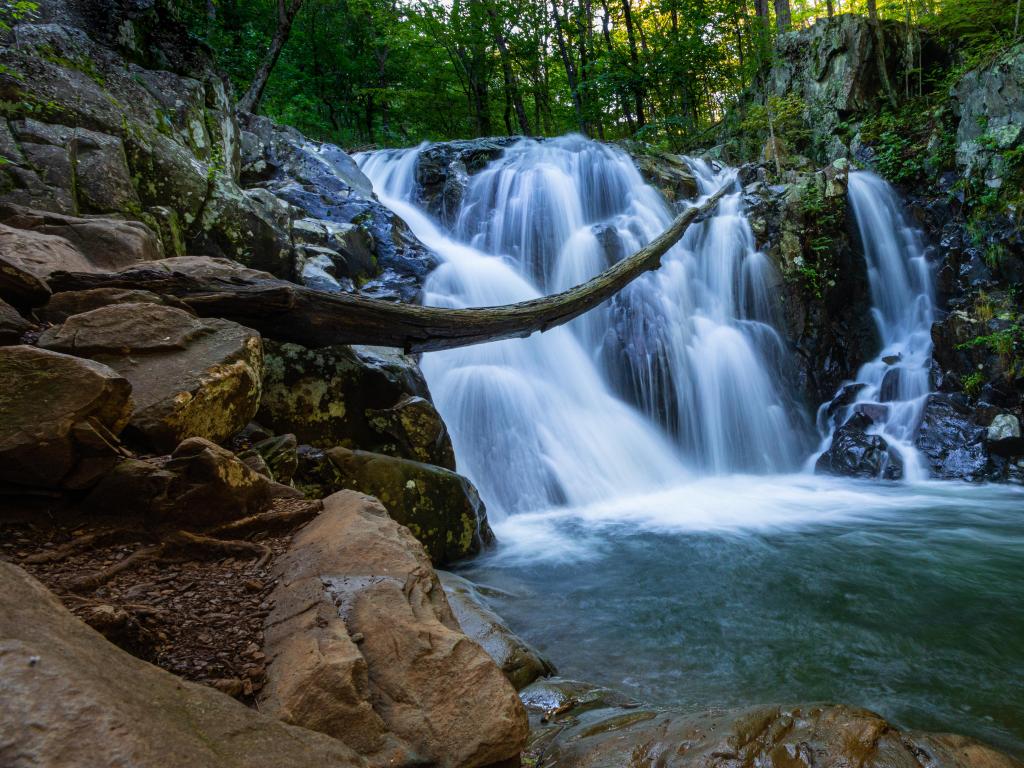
{"x":107,"y":244}
{"x":190,"y":377}
{"x":59,"y":417}
{"x":12,"y":325}
{"x":364,"y":647}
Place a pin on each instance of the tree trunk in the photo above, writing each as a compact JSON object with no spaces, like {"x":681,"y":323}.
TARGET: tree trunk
{"x":638,"y":89}
{"x":883,"y":68}
{"x":511,"y":85}
{"x":570,"y":67}
{"x":290,"y":312}
{"x":286,"y":14}
{"x":783,"y":16}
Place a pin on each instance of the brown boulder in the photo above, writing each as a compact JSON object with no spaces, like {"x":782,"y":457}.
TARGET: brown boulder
{"x":364,"y":647}
{"x":190,"y":377}
{"x":63,"y":305}
{"x":27,"y":258}
{"x":12,"y":325}
{"x":59,"y":415}
{"x":72,"y":699}
{"x":199,"y":484}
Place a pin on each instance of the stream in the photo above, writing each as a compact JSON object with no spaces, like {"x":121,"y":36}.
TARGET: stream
{"x":650,"y":478}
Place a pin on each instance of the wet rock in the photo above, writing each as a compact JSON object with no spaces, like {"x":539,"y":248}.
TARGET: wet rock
{"x":365,"y":397}
{"x":12,"y":325}
{"x":668,"y":173}
{"x":766,"y":737}
{"x":71,"y":697}
{"x":854,"y":453}
{"x":443,"y":171}
{"x":949,"y":440}
{"x":441,"y":508}
{"x":200,"y":484}
{"x":364,"y":647}
{"x":59,"y":417}
{"x":554,"y":696}
{"x":1004,"y":435}
{"x":520,"y":662}
{"x":190,"y":377}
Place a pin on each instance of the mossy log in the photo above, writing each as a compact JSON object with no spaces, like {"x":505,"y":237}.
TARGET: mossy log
{"x":289,"y":312}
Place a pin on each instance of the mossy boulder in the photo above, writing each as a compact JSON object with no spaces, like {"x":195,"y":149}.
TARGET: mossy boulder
{"x":355,"y":397}
{"x":441,"y":508}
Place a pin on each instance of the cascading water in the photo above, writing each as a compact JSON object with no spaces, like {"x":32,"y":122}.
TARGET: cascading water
{"x":891,"y":389}
{"x":536,"y":422}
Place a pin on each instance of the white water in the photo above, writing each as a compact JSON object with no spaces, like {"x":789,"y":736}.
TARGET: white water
{"x":895,"y":385}
{"x":679,"y":373}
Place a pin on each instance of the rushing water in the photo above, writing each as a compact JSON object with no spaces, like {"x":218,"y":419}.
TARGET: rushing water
{"x":610,"y":454}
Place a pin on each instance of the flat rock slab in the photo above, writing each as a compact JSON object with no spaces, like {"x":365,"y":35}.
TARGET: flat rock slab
{"x":190,"y":377}
{"x":71,"y":699}
{"x":364,"y":646}
{"x":57,"y":414}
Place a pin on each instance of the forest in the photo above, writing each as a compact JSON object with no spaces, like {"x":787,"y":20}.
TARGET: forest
{"x":665,"y":72}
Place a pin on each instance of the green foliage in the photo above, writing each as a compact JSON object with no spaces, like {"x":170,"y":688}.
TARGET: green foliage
{"x":13,"y":11}
{"x":786,"y":116}
{"x":822,"y":219}
{"x":973,"y":383}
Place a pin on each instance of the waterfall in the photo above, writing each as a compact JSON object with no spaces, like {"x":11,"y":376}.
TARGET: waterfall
{"x":892,"y":388}
{"x":679,"y":373}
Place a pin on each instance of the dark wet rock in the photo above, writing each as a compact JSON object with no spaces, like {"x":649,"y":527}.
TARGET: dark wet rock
{"x":441,"y":508}
{"x":73,"y":698}
{"x":1003,"y":435}
{"x":12,"y":325}
{"x":854,"y":453}
{"x":59,"y":417}
{"x":521,"y":663}
{"x":845,"y":397}
{"x":443,"y":171}
{"x":667,"y":173}
{"x":390,"y":674}
{"x":371,"y":398}
{"x":553,"y":696}
{"x":190,"y":377}
{"x":950,"y":441}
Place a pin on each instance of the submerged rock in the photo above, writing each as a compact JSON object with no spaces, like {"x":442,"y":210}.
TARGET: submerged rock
{"x":59,"y":417}
{"x":521,"y":663}
{"x":190,"y":377}
{"x":71,"y":698}
{"x":364,"y":647}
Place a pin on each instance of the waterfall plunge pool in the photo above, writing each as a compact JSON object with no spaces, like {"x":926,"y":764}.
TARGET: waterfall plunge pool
{"x":742,"y":590}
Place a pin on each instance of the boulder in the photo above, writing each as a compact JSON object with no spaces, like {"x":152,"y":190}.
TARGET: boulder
{"x":950,"y":442}
{"x":12,"y":325}
{"x":63,"y":305}
{"x":279,"y":454}
{"x":855,"y":453}
{"x":443,"y":171}
{"x":59,"y":417}
{"x":190,"y":377}
{"x":200,"y":484}
{"x":520,"y":663}
{"x":355,"y":397}
{"x":364,"y":647}
{"x":71,"y":698}
{"x":763,"y":737}
{"x":668,"y":173}
{"x":27,"y":259}
{"x":441,"y":508}
{"x":107,"y":244}
{"x":1004,"y":436}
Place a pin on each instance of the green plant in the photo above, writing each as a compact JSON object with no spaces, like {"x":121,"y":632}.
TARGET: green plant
{"x":973,"y":383}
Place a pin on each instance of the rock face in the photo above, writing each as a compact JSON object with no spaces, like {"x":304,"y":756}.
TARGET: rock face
{"x":768,"y":737}
{"x":668,"y":173}
{"x":372,"y":398}
{"x":950,"y":442}
{"x":520,"y":663}
{"x":71,"y":698}
{"x":364,"y":647}
{"x":441,"y":508}
{"x":855,"y":453}
{"x":443,"y":171}
{"x":58,"y":417}
{"x":990,"y":105}
{"x":190,"y":377}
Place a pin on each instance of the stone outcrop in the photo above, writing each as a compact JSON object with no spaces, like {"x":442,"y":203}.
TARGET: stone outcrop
{"x":61,"y":415}
{"x":443,"y":171}
{"x":190,"y":377}
{"x":855,"y":453}
{"x":521,"y":663}
{"x":766,"y":737}
{"x":441,"y":508}
{"x":372,"y":398}
{"x":668,"y":173}
{"x":364,"y":647}
{"x":71,"y":698}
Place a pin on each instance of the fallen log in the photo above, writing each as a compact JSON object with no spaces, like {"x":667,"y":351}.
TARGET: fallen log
{"x":288,"y":312}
